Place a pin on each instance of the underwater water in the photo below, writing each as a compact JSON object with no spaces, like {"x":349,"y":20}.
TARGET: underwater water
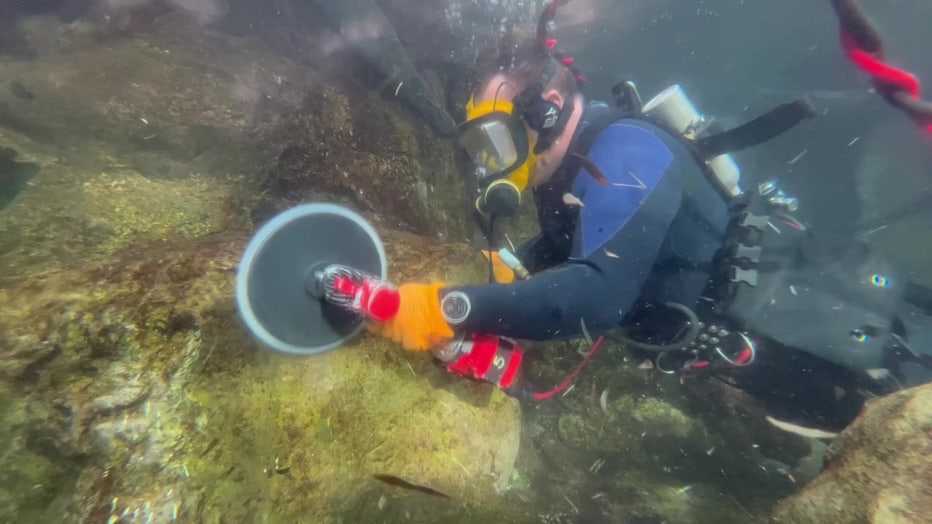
{"x":145,"y":146}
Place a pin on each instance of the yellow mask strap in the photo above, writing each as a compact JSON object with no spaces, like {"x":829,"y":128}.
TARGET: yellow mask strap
{"x":474,"y":111}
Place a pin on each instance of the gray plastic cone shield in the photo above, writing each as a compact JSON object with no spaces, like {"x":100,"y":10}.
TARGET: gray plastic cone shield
{"x":271,"y":288}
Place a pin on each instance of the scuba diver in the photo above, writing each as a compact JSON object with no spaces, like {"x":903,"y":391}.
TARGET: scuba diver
{"x":647,"y":238}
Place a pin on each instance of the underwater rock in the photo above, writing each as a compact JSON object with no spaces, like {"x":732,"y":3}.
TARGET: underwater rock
{"x":128,"y":395}
{"x":182,"y":90}
{"x":14,"y":176}
{"x":639,"y":427}
{"x":182,"y":131}
{"x":364,"y":27}
{"x":158,"y":405}
{"x":877,"y":470}
{"x":363,"y":152}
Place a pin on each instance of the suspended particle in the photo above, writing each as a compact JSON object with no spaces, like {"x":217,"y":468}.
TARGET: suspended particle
{"x":880,"y":281}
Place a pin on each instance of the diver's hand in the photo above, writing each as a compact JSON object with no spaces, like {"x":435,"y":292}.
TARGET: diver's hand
{"x":419,"y":324}
{"x":503,"y":274}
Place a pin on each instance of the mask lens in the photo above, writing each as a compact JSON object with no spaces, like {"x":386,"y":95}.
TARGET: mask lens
{"x":490,"y":146}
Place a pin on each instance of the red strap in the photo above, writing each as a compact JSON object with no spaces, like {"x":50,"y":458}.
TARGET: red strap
{"x":884,"y":73}
{"x":569,"y":380}
{"x":864,"y":48}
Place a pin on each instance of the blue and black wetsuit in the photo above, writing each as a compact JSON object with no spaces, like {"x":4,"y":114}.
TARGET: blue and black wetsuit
{"x":657,"y":211}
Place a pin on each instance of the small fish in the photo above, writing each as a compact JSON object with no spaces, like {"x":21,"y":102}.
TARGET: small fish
{"x":609,"y":254}
{"x":20,"y":91}
{"x":572,"y":200}
{"x":402,"y":483}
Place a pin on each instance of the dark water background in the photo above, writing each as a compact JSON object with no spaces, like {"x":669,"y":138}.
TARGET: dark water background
{"x":755,"y":54}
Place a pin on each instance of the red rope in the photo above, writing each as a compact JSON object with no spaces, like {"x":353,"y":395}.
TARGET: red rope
{"x":569,"y":380}
{"x":864,"y":47}
{"x":881,"y":72}
{"x":549,"y":45}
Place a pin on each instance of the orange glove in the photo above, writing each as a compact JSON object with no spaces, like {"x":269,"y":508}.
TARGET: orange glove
{"x":419,"y":324}
{"x":503,"y":274}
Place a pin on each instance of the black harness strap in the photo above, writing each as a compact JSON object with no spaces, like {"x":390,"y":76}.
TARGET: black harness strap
{"x":583,"y":142}
{"x":763,"y":128}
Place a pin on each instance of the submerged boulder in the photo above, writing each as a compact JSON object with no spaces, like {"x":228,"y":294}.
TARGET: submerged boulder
{"x":130,"y":388}
{"x":877,"y":470}
{"x":103,"y":113}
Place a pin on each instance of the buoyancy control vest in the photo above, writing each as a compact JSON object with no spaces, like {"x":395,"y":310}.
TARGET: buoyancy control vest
{"x":773,"y":279}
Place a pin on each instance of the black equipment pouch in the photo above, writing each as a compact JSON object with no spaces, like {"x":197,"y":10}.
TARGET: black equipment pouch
{"x":828,"y":295}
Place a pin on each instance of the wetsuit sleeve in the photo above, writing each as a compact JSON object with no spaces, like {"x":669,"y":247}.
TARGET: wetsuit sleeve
{"x":620,"y":231}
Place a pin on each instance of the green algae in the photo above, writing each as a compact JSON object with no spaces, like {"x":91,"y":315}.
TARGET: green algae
{"x":174,"y":398}
{"x":138,"y":209}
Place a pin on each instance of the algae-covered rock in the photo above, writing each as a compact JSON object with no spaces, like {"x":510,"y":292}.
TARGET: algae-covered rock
{"x":348,"y":144}
{"x":130,"y":389}
{"x":132,"y":135}
{"x":877,"y":470}
{"x":183,"y":131}
{"x":75,"y":211}
{"x":132,"y":206}
{"x":633,"y":425}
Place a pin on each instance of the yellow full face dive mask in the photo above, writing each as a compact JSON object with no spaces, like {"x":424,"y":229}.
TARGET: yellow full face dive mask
{"x":502,"y":153}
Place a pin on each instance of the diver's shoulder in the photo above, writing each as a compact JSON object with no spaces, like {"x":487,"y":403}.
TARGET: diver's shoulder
{"x":614,"y":123}
{"x":631,"y":130}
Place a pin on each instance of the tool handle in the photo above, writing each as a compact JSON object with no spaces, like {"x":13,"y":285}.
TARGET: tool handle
{"x":359,"y":292}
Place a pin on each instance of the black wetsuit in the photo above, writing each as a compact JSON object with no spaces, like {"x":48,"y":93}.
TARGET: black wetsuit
{"x":831,"y":316}
{"x":591,"y":262}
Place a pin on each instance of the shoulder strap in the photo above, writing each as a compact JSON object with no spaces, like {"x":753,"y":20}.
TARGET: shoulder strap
{"x":583,"y":142}
{"x":771,"y":124}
